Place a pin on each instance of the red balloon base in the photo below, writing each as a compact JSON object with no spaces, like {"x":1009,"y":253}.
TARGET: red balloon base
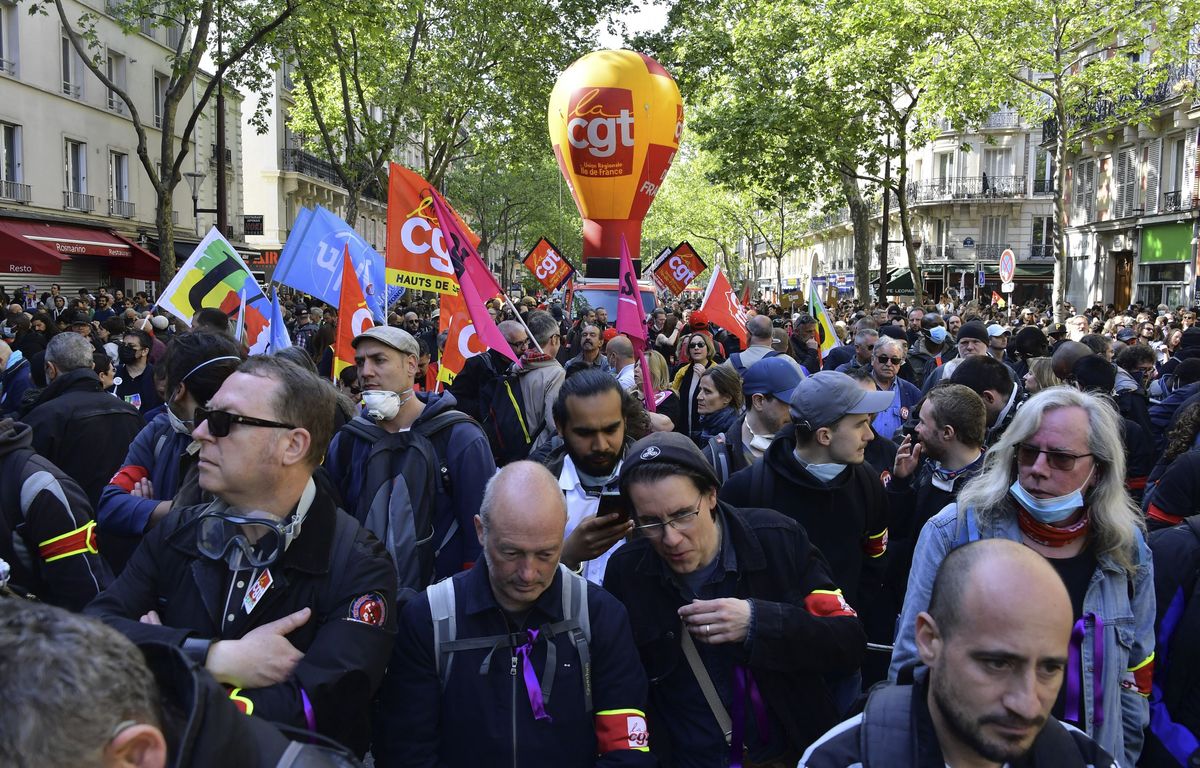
{"x":602,"y":238}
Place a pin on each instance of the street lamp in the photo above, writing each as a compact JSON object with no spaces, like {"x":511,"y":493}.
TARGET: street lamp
{"x":194,"y":180}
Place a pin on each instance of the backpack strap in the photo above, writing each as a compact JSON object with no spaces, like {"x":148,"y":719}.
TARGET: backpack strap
{"x":445,"y":625}
{"x":885,"y":735}
{"x":720,"y":457}
{"x":736,"y":361}
{"x":575,"y":612}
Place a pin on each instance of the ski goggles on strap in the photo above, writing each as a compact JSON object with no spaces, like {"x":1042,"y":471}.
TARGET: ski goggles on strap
{"x":241,"y":541}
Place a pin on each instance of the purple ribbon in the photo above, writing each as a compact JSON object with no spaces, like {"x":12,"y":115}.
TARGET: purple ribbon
{"x":743,"y":684}
{"x":532,"y":687}
{"x":1072,"y":709}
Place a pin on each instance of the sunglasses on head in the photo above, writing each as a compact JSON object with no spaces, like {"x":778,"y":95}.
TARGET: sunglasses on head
{"x":892,"y":360}
{"x":1027,"y":456}
{"x":220,"y":422}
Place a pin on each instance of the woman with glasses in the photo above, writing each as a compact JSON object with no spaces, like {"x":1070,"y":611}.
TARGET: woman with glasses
{"x":736,"y":617}
{"x":1055,"y":482}
{"x":696,"y":357}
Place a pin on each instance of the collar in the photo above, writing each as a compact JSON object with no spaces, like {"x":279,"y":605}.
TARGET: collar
{"x":1012,"y":398}
{"x":476,"y":596}
{"x":568,"y":479}
{"x":946,"y":479}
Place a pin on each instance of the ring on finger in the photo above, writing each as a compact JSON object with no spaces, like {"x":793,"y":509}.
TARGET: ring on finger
{"x":706,"y":630}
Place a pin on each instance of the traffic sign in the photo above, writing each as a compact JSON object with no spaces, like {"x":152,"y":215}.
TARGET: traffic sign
{"x":1008,"y":287}
{"x":1008,"y":265}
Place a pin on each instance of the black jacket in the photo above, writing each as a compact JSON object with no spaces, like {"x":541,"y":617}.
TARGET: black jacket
{"x":798,"y":641}
{"x":475,"y":371}
{"x":847,"y":519}
{"x":84,"y":430}
{"x":330,"y":567}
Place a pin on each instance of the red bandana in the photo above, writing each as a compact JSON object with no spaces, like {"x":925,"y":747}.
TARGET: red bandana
{"x":1049,"y":535}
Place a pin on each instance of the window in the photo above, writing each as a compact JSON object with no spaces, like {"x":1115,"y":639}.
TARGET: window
{"x":997,"y":162}
{"x":995,"y":237}
{"x":160,"y":98}
{"x":1043,"y":237}
{"x":8,"y":37}
{"x":118,"y":185}
{"x":945,"y":166}
{"x":75,"y":196}
{"x":1174,"y":177}
{"x":116,"y":73}
{"x":1151,"y":159}
{"x":72,"y":70}
{"x":1125,"y":180}
{"x":1085,"y":192}
{"x":10,"y":152}
{"x":174,"y":34}
{"x":147,"y":26}
{"x":1043,"y":172}
{"x":1162,"y":283}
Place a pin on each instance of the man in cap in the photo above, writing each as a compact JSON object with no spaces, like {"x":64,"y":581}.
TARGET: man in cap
{"x":865,"y":340}
{"x":732,"y":606}
{"x":410,"y":460}
{"x":993,"y":664}
{"x":998,"y":337}
{"x":972,"y":341}
{"x":814,"y":472}
{"x":768,"y":386}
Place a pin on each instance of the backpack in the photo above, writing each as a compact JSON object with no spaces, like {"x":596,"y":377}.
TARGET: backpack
{"x":576,"y":624}
{"x":736,"y":361}
{"x":504,"y":418}
{"x":402,"y":475}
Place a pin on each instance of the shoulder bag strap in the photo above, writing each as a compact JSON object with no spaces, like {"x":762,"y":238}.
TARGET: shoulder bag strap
{"x":706,"y":684}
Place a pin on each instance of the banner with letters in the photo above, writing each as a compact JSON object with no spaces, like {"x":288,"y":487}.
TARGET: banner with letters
{"x":679,"y":268}
{"x":547,"y":264}
{"x":311,"y":260}
{"x":418,"y":256}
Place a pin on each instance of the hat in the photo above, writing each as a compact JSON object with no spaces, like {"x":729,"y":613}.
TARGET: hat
{"x":78,"y":317}
{"x":1126,"y":334}
{"x":667,"y":448}
{"x":396,"y":338}
{"x":436,"y":313}
{"x":938,"y":334}
{"x":973,"y":330}
{"x":995,"y":329}
{"x":159,"y":322}
{"x":698,"y":320}
{"x":894,"y":332}
{"x":827,"y":396}
{"x":771,"y":376}
{"x":1056,"y":329}
{"x":610,"y":334}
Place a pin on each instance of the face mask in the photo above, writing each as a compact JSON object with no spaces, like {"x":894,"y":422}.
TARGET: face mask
{"x":760,"y":442}
{"x":823,"y":472}
{"x":1052,"y":510}
{"x":380,"y":405}
{"x":938,"y":334}
{"x":126,"y":355}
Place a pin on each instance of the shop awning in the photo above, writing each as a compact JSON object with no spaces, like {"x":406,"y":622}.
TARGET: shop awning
{"x":901,"y":280}
{"x":38,"y":247}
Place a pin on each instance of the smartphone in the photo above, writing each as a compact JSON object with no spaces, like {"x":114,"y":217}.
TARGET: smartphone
{"x":610,"y":503}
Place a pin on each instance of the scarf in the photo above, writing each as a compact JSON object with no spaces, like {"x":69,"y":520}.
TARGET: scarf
{"x":717,"y":423}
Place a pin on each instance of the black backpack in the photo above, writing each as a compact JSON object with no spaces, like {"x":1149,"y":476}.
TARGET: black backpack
{"x":401,"y":477}
{"x":504,"y":418}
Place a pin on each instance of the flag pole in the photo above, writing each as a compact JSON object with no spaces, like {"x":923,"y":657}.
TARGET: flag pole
{"x":521,"y":320}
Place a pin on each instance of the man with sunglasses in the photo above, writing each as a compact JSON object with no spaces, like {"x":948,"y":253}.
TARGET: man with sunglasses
{"x":285,"y":599}
{"x":886,"y":361}
{"x":739,"y":623}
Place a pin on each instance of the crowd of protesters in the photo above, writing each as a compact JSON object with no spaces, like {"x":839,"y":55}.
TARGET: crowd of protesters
{"x":955,"y":534}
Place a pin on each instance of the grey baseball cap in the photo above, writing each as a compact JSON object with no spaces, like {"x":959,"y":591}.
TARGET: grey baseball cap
{"x":396,"y":338}
{"x":827,"y":396}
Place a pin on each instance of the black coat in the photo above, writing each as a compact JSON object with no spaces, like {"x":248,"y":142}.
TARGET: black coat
{"x":333,"y":564}
{"x":793,"y":649}
{"x":469,"y":381}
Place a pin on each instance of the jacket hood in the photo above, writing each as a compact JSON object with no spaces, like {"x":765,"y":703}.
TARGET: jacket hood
{"x":1125,"y":382}
{"x":14,"y":436}
{"x":781,"y":459}
{"x":79,"y":380}
{"x":436,"y":403}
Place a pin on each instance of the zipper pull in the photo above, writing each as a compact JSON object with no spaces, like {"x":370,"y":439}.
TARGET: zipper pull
{"x":513,"y":670}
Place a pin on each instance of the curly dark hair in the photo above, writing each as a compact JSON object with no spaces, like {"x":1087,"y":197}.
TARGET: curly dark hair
{"x":1182,"y":436}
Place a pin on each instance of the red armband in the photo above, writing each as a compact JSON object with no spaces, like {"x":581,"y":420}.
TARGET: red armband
{"x":244,"y":705}
{"x":825,"y":602}
{"x":876,"y":545}
{"x":128,"y":476}
{"x":621,"y":729}
{"x":77,"y":542}
{"x":1143,"y":676}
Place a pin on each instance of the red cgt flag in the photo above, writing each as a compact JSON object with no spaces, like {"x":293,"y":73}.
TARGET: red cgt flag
{"x":461,"y":340}
{"x":354,"y":316}
{"x":722,"y":306}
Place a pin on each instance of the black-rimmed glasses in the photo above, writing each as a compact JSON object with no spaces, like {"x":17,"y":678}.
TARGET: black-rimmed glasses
{"x":220,"y":422}
{"x":680,"y":522}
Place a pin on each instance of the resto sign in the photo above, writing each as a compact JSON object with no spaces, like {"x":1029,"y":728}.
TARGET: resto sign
{"x":679,"y":268}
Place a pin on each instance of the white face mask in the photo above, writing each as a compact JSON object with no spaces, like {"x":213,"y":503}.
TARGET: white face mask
{"x":381,"y":405}
{"x":760,"y":442}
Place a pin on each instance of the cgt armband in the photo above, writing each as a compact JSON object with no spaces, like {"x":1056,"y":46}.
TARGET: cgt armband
{"x":621,"y":729}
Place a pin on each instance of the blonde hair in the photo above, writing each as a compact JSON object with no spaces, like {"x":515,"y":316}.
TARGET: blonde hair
{"x":660,"y":372}
{"x":1042,"y":369}
{"x":1115,"y":519}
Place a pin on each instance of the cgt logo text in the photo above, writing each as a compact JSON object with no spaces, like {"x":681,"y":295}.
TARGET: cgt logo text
{"x":600,"y":130}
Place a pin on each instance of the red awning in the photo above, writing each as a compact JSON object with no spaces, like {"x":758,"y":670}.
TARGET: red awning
{"x":38,"y":247}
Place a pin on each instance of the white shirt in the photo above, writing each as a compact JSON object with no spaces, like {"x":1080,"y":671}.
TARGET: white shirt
{"x":625,"y":378}
{"x":581,"y":506}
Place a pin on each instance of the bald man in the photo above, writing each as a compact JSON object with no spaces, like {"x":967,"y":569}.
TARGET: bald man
{"x":529,"y":659}
{"x":468,"y":384}
{"x":620,"y":358}
{"x":992,"y":665}
{"x":1066,"y":354}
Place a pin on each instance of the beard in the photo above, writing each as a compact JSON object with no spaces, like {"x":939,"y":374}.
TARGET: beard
{"x":968,"y":728}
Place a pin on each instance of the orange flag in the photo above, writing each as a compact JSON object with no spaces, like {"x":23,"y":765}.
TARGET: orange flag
{"x":354,"y":316}
{"x":722,"y":306}
{"x":462,"y":341}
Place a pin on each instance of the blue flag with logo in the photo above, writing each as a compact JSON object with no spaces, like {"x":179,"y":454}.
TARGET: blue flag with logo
{"x":311,"y":260}
{"x":277,"y":330}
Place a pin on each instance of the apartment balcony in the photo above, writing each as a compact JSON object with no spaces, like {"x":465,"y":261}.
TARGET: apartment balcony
{"x":1180,"y":77}
{"x":1003,"y":120}
{"x":77,"y":201}
{"x":115,"y":104}
{"x":1043,"y":186}
{"x":122,"y":209}
{"x":930,"y":252}
{"x":1044,"y":252}
{"x":8,"y":66}
{"x":975,"y":188}
{"x":1177,"y":201}
{"x":15,"y":191}
{"x":301,"y":161}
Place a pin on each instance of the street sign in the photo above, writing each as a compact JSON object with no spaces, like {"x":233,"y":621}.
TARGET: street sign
{"x":982,"y":279}
{"x":1008,"y":287}
{"x":968,"y":242}
{"x":1008,"y":265}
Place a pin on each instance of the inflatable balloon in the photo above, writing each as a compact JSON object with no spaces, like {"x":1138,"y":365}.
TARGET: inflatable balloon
{"x":615,"y":120}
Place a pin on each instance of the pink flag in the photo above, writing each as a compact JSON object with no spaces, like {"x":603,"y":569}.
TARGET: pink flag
{"x":631,"y":319}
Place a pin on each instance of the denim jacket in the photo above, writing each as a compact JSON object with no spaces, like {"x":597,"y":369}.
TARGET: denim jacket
{"x":1127,"y":610}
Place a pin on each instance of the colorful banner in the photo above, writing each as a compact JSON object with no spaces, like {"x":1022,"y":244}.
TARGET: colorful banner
{"x":722,"y":306}
{"x":816,"y":308}
{"x":461,"y":341}
{"x":680,"y":268}
{"x":354,"y":317}
{"x":311,"y":260}
{"x":547,"y":265}
{"x":215,"y":276}
{"x":418,"y":254}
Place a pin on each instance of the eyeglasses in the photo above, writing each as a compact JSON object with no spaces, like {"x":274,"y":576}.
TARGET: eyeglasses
{"x":680,"y":523}
{"x":697,"y":345}
{"x":1027,"y":456}
{"x":893,"y":360}
{"x":219,"y":422}
{"x":519,"y":344}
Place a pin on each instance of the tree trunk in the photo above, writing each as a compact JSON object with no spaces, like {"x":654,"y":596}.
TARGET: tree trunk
{"x":1059,"y":293}
{"x":910,"y":248}
{"x":860,"y":220}
{"x":166,"y":237}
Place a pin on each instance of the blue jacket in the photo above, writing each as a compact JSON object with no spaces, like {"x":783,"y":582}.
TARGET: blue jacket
{"x":469,"y":464}
{"x":487,"y":719}
{"x":155,"y":453}
{"x":1125,"y":604}
{"x":13,"y":382}
{"x":889,"y":421}
{"x":1161,"y":413}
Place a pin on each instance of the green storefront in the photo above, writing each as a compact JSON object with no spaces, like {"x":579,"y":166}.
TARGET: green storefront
{"x":1164,"y":264}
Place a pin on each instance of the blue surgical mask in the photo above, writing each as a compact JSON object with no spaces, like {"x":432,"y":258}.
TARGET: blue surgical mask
{"x":1052,"y":510}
